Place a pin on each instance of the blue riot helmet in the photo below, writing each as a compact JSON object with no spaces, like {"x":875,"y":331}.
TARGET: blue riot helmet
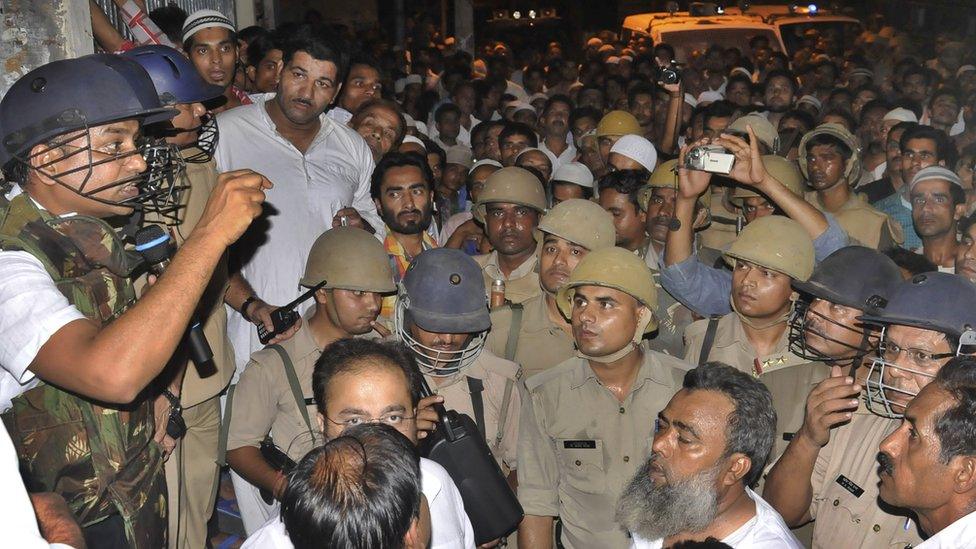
{"x":854,"y":276}
{"x":58,"y":103}
{"x":939,"y":302}
{"x":443,"y":291}
{"x":178,"y":82}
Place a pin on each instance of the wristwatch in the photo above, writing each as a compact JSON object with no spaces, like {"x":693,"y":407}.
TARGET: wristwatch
{"x":244,"y":305}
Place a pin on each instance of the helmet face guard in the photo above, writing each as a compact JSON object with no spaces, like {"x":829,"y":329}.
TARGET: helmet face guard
{"x":434,"y":362}
{"x":881,"y":394}
{"x":208,"y":134}
{"x":799,"y":327}
{"x":158,"y":187}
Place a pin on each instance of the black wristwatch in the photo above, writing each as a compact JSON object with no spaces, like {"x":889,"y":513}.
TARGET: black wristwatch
{"x":244,"y":305}
{"x":175,"y":426}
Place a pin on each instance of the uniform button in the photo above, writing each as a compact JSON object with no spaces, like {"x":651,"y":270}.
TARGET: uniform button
{"x":622,"y":409}
{"x":877,"y":528}
{"x":626,"y":459}
{"x":836,"y":502}
{"x":578,"y":463}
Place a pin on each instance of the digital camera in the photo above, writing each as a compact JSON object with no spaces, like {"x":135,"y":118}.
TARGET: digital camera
{"x":710,"y":158}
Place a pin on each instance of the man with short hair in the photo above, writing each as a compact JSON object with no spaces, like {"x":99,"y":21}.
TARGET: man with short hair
{"x":402,"y":188}
{"x":210,"y":41}
{"x":966,"y":250}
{"x":350,"y":272}
{"x":916,"y":84}
{"x":618,"y":195}
{"x":513,"y":139}
{"x":537,"y":160}
{"x":325,"y":502}
{"x":710,"y":445}
{"x":943,"y":110}
{"x":381,"y":124}
{"x":534,"y":333}
{"x":779,"y":94}
{"x":585,"y":424}
{"x":938,"y":203}
{"x":891,"y":181}
{"x":362,"y":83}
{"x":447,"y":126}
{"x":327,"y":167}
{"x":927,"y":463}
{"x":554,"y":124}
{"x":461,"y":231}
{"x":510,"y":207}
{"x":360,"y":381}
{"x":640,"y":103}
{"x":829,"y":159}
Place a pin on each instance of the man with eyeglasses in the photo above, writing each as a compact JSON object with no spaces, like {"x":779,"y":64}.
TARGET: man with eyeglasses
{"x":350,"y":272}
{"x":442,"y":317}
{"x":938,"y":203}
{"x":925,"y":321}
{"x":359,"y":381}
{"x":834,"y":448}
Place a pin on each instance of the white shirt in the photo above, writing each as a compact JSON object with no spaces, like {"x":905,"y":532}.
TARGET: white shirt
{"x":958,"y":535}
{"x":308,"y":190}
{"x":568,"y":155}
{"x":17,"y":520}
{"x":450,"y":527}
{"x":452,"y":225}
{"x":340,"y":115}
{"x":765,"y":530}
{"x":32,"y":309}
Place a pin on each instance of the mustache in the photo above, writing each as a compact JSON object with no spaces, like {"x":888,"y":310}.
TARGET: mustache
{"x":885,"y":463}
{"x":661,"y":220}
{"x":303,"y":101}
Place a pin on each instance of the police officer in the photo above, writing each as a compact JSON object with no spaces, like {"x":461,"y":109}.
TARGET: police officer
{"x":753,"y":203}
{"x":613,"y":126}
{"x":829,"y":159}
{"x":192,"y":473}
{"x":535,"y":333}
{"x":657,"y":199}
{"x":587,"y":423}
{"x":769,"y":254}
{"x":510,"y":207}
{"x":273,"y":395}
{"x":829,"y":472}
{"x":442,"y":316}
{"x":85,"y":431}
{"x":826,"y":327}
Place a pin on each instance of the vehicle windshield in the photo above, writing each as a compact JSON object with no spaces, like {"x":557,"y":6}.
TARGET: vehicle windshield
{"x":841,"y":33}
{"x":687,"y":40}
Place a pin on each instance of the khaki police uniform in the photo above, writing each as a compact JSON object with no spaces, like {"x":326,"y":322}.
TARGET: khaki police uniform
{"x":579,"y":446}
{"x":192,"y":474}
{"x":845,"y":502}
{"x":722,"y":230}
{"x":539,"y":343}
{"x":501,"y":418}
{"x":864,"y":223}
{"x":788,"y":377}
{"x":520,"y":286}
{"x":264,"y":402}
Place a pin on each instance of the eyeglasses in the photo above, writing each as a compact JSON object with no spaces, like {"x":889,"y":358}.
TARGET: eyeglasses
{"x":393,"y":419}
{"x":891,"y":351}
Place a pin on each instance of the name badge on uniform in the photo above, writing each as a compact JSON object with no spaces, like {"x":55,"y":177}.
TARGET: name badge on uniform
{"x":850,"y":485}
{"x":579,"y":444}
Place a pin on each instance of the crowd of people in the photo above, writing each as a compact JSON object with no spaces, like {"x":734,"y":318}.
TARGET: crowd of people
{"x":286,"y":251}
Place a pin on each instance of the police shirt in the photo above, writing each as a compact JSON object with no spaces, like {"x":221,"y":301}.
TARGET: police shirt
{"x":521,"y":285}
{"x":541,"y":343}
{"x":579,"y":446}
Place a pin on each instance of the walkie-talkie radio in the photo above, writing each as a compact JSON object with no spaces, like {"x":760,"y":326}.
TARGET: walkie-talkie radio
{"x":285,"y":317}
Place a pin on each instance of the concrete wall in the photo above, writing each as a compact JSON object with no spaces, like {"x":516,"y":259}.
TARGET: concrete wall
{"x":35,"y":32}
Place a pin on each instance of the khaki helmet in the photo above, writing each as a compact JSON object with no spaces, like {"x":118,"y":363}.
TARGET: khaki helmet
{"x":511,"y":185}
{"x":764,"y":130}
{"x":853,"y":167}
{"x":665,"y":176}
{"x":349,"y":258}
{"x":582,"y":222}
{"x":775,"y":242}
{"x":617,"y":123}
{"x":615,"y":268}
{"x":782,"y":170}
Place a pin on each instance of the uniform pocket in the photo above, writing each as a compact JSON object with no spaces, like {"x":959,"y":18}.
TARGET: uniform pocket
{"x":582,"y":463}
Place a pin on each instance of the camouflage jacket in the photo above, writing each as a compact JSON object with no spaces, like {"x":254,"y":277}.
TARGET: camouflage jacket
{"x":101,"y":458}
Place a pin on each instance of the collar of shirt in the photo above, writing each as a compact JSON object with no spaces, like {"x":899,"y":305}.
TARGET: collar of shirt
{"x":397,"y":253}
{"x":568,"y":154}
{"x":305,"y":343}
{"x":960,"y":533}
{"x":781,"y":356}
{"x":491,"y":267}
{"x":326,"y":127}
{"x":536,"y":316}
{"x":651,"y":370}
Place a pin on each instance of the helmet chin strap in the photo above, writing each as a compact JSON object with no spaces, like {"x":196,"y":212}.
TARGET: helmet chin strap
{"x":785,"y":317}
{"x":642,"y":321}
